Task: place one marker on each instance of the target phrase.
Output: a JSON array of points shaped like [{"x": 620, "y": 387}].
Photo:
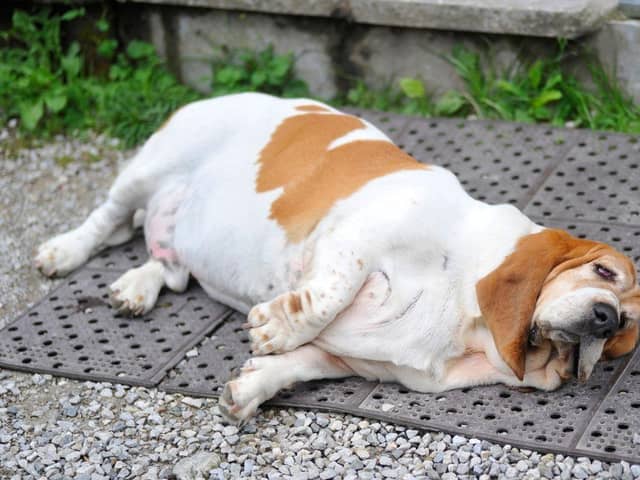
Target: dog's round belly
[{"x": 224, "y": 237}]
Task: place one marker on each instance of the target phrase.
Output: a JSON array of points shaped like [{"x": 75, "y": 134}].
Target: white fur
[{"x": 391, "y": 269}]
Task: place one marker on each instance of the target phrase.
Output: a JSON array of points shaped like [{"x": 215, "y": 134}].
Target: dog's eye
[{"x": 604, "y": 272}]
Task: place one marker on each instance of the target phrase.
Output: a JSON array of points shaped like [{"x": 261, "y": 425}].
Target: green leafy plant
[
  {"x": 539, "y": 91},
  {"x": 52, "y": 88},
  {"x": 264, "y": 71},
  {"x": 139, "y": 94},
  {"x": 542, "y": 91},
  {"x": 38, "y": 77}
]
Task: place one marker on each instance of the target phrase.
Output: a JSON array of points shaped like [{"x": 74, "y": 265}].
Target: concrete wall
[
  {"x": 330, "y": 53},
  {"x": 617, "y": 45}
]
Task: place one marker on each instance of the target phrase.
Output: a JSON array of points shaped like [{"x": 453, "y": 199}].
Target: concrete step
[{"x": 540, "y": 18}]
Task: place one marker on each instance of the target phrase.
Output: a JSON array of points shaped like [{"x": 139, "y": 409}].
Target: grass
[
  {"x": 541, "y": 91},
  {"x": 53, "y": 87}
]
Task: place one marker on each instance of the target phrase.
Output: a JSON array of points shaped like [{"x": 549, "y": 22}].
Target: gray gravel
[{"x": 56, "y": 428}]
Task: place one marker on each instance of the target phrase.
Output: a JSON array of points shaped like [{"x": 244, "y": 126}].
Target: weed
[
  {"x": 51, "y": 88},
  {"x": 536, "y": 92},
  {"x": 139, "y": 94},
  {"x": 243, "y": 70},
  {"x": 39, "y": 80}
]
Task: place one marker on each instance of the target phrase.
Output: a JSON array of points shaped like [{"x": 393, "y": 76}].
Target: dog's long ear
[
  {"x": 625, "y": 340},
  {"x": 507, "y": 296}
]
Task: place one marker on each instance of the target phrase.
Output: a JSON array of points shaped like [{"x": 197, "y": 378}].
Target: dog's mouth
[{"x": 587, "y": 349}]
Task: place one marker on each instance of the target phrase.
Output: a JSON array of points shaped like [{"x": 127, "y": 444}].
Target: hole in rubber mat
[{"x": 74, "y": 331}]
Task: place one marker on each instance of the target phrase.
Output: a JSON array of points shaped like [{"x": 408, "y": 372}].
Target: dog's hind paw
[
  {"x": 135, "y": 293},
  {"x": 60, "y": 255}
]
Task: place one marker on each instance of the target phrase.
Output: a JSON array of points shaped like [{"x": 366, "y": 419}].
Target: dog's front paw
[
  {"x": 242, "y": 396},
  {"x": 60, "y": 255},
  {"x": 281, "y": 325}
]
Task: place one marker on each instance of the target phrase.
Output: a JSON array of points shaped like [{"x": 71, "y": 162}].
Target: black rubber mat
[
  {"x": 582, "y": 181},
  {"x": 228, "y": 348},
  {"x": 599, "y": 180},
  {"x": 74, "y": 331}
]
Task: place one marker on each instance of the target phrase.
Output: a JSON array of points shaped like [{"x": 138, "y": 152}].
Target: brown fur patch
[
  {"x": 507, "y": 296},
  {"x": 312, "y": 108},
  {"x": 621, "y": 343},
  {"x": 297, "y": 145},
  {"x": 295, "y": 303},
  {"x": 313, "y": 177}
]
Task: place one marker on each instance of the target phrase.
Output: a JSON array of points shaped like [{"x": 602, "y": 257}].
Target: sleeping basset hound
[{"x": 352, "y": 258}]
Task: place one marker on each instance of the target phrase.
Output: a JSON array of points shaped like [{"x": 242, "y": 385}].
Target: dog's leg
[
  {"x": 137, "y": 290},
  {"x": 66, "y": 252},
  {"x": 296, "y": 317},
  {"x": 111, "y": 223},
  {"x": 262, "y": 377}
]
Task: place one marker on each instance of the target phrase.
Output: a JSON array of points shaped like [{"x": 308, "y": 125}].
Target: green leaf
[
  {"x": 449, "y": 103},
  {"x": 499, "y": 108},
  {"x": 21, "y": 21},
  {"x": 509, "y": 87},
  {"x": 281, "y": 65},
  {"x": 522, "y": 116},
  {"x": 546, "y": 97},
  {"x": 55, "y": 102},
  {"x": 72, "y": 62},
  {"x": 31, "y": 113},
  {"x": 107, "y": 47},
  {"x": 71, "y": 66},
  {"x": 72, "y": 14},
  {"x": 541, "y": 113},
  {"x": 412, "y": 87},
  {"x": 535, "y": 74},
  {"x": 258, "y": 78},
  {"x": 553, "y": 80},
  {"x": 138, "y": 50},
  {"x": 102, "y": 25},
  {"x": 229, "y": 75}
]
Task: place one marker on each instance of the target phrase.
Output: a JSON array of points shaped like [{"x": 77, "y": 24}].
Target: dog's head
[{"x": 558, "y": 288}]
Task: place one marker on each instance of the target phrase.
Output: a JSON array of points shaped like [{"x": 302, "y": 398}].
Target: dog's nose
[{"x": 605, "y": 320}]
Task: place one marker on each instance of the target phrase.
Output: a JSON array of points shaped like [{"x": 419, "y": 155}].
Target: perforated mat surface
[{"x": 582, "y": 181}]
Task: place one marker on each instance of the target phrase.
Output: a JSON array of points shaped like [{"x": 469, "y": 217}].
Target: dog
[{"x": 352, "y": 258}]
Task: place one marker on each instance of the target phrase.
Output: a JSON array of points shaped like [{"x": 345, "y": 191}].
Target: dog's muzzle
[{"x": 589, "y": 338}]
